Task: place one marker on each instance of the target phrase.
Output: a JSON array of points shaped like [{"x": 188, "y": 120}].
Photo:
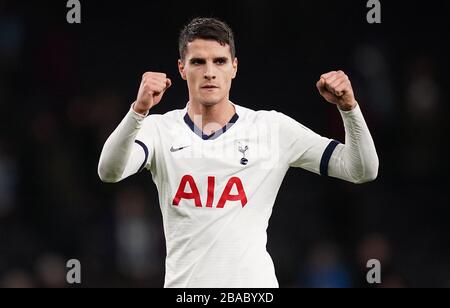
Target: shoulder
[
  {"x": 169, "y": 117},
  {"x": 272, "y": 117},
  {"x": 268, "y": 117},
  {"x": 257, "y": 115}
]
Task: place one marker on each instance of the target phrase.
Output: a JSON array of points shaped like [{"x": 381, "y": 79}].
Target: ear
[
  {"x": 181, "y": 69},
  {"x": 235, "y": 67}
]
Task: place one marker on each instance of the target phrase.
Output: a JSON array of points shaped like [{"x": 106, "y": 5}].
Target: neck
[{"x": 211, "y": 118}]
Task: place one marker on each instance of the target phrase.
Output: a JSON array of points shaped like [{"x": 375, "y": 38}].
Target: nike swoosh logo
[{"x": 172, "y": 149}]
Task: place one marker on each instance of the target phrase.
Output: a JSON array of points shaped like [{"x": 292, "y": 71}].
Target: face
[{"x": 208, "y": 70}]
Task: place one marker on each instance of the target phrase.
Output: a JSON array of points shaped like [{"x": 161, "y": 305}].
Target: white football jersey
[{"x": 217, "y": 192}]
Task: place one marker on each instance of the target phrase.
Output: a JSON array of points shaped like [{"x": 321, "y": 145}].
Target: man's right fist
[{"x": 151, "y": 90}]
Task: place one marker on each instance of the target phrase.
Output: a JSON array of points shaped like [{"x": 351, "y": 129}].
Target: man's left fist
[{"x": 336, "y": 88}]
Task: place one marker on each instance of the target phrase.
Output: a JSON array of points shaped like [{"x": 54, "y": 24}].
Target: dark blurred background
[{"x": 64, "y": 88}]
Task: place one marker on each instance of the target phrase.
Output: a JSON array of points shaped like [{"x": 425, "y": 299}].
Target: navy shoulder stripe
[
  {"x": 327, "y": 156},
  {"x": 146, "y": 154}
]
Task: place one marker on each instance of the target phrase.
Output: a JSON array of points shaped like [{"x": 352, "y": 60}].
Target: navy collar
[{"x": 214, "y": 135}]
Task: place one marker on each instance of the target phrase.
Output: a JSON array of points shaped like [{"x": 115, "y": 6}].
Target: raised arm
[
  {"x": 356, "y": 160},
  {"x": 122, "y": 154}
]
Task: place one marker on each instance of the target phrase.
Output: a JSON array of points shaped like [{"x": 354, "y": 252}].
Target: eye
[{"x": 221, "y": 61}]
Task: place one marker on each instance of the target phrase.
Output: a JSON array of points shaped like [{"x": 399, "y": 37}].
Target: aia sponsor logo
[{"x": 192, "y": 193}]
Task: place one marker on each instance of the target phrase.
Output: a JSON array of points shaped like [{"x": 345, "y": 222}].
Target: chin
[{"x": 208, "y": 102}]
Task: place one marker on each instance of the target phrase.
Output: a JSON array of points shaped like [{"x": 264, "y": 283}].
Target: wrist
[
  {"x": 348, "y": 106},
  {"x": 140, "y": 110}
]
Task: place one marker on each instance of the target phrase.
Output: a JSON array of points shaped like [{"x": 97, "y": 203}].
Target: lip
[{"x": 209, "y": 86}]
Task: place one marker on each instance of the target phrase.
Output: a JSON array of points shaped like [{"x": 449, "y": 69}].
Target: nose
[{"x": 209, "y": 72}]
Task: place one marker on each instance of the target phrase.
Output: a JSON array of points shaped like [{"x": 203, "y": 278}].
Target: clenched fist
[
  {"x": 336, "y": 88},
  {"x": 151, "y": 90}
]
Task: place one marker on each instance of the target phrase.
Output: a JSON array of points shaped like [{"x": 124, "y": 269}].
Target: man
[{"x": 218, "y": 166}]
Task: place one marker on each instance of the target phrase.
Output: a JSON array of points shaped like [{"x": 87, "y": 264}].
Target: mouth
[{"x": 209, "y": 87}]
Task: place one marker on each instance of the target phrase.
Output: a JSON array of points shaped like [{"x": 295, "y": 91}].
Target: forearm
[
  {"x": 357, "y": 160},
  {"x": 118, "y": 157}
]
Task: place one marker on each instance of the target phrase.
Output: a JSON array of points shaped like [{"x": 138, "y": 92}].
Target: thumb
[{"x": 168, "y": 83}]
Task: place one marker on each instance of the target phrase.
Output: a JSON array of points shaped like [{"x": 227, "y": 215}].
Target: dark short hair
[{"x": 206, "y": 29}]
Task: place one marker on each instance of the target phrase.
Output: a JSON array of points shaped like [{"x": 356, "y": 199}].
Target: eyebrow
[
  {"x": 195, "y": 59},
  {"x": 224, "y": 59}
]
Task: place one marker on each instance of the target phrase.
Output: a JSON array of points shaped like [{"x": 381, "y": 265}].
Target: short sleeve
[
  {"x": 146, "y": 140},
  {"x": 302, "y": 147}
]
